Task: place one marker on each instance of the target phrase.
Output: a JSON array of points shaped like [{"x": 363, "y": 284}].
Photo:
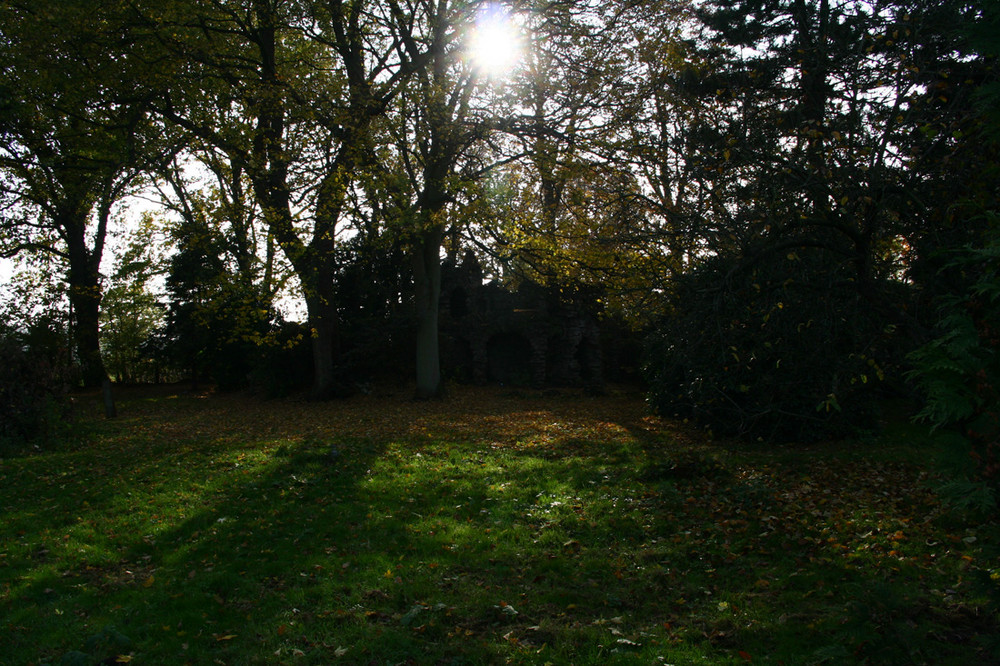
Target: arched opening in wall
[
  {"x": 559, "y": 363},
  {"x": 508, "y": 359},
  {"x": 459, "y": 361},
  {"x": 588, "y": 359},
  {"x": 458, "y": 303}
]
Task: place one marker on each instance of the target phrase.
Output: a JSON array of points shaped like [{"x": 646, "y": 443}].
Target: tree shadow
[{"x": 470, "y": 531}]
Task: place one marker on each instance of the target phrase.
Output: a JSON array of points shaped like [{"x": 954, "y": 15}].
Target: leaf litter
[{"x": 608, "y": 531}]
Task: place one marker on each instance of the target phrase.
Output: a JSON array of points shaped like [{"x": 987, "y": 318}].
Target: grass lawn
[{"x": 491, "y": 527}]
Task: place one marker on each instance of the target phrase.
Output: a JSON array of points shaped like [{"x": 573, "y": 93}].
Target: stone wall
[{"x": 533, "y": 336}]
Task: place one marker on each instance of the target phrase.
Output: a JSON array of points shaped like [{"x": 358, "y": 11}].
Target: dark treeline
[{"x": 792, "y": 203}]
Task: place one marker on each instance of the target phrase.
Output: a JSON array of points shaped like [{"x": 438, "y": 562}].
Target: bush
[
  {"x": 783, "y": 350},
  {"x": 33, "y": 394},
  {"x": 959, "y": 371},
  {"x": 285, "y": 363}
]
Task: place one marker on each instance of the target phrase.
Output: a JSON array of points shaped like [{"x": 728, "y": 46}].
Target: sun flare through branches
[{"x": 495, "y": 45}]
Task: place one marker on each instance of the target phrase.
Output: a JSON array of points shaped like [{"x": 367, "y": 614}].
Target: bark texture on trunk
[
  {"x": 327, "y": 382},
  {"x": 427, "y": 287},
  {"x": 85, "y": 293}
]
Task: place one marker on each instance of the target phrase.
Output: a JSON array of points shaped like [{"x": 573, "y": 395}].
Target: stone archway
[
  {"x": 460, "y": 358},
  {"x": 508, "y": 359}
]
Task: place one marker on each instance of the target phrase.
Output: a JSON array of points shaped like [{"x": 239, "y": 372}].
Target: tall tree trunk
[
  {"x": 85, "y": 297},
  {"x": 84, "y": 292},
  {"x": 321, "y": 307},
  {"x": 427, "y": 288}
]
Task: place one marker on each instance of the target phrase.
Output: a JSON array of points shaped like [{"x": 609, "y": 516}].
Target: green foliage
[
  {"x": 131, "y": 313},
  {"x": 982, "y": 36},
  {"x": 34, "y": 384},
  {"x": 959, "y": 371},
  {"x": 374, "y": 297},
  {"x": 782, "y": 349},
  {"x": 948, "y": 369},
  {"x": 284, "y": 365},
  {"x": 793, "y": 325},
  {"x": 36, "y": 365},
  {"x": 75, "y": 139},
  {"x": 218, "y": 321}
]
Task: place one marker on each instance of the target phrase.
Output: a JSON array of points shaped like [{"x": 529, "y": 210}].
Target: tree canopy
[{"x": 767, "y": 190}]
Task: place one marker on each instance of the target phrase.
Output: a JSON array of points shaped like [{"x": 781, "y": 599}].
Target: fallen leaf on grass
[
  {"x": 506, "y": 609},
  {"x": 410, "y": 616}
]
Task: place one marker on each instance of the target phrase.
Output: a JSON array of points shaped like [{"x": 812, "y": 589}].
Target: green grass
[{"x": 488, "y": 528}]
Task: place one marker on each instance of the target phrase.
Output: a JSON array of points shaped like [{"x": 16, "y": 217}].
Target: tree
[
  {"x": 826, "y": 106},
  {"x": 958, "y": 371},
  {"x": 951, "y": 149},
  {"x": 219, "y": 320},
  {"x": 131, "y": 314},
  {"x": 289, "y": 92},
  {"x": 435, "y": 129},
  {"x": 209, "y": 186},
  {"x": 73, "y": 141},
  {"x": 34, "y": 353},
  {"x": 804, "y": 146},
  {"x": 572, "y": 210},
  {"x": 226, "y": 275}
]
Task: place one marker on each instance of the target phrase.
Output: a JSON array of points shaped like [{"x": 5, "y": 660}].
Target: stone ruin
[{"x": 534, "y": 336}]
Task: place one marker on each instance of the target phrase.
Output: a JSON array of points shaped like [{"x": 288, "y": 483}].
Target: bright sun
[{"x": 496, "y": 43}]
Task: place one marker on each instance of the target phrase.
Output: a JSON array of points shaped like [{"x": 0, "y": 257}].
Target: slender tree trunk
[
  {"x": 427, "y": 287},
  {"x": 313, "y": 266},
  {"x": 110, "y": 411},
  {"x": 85, "y": 296},
  {"x": 326, "y": 383}
]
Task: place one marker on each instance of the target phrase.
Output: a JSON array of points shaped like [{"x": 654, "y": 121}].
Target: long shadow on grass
[
  {"x": 453, "y": 547},
  {"x": 425, "y": 551},
  {"x": 193, "y": 585},
  {"x": 440, "y": 551}
]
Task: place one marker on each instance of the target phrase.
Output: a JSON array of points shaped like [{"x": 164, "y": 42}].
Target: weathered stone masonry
[{"x": 533, "y": 336}]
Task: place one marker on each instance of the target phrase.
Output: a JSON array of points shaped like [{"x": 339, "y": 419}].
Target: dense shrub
[
  {"x": 959, "y": 371},
  {"x": 284, "y": 363},
  {"x": 784, "y": 349},
  {"x": 33, "y": 393}
]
